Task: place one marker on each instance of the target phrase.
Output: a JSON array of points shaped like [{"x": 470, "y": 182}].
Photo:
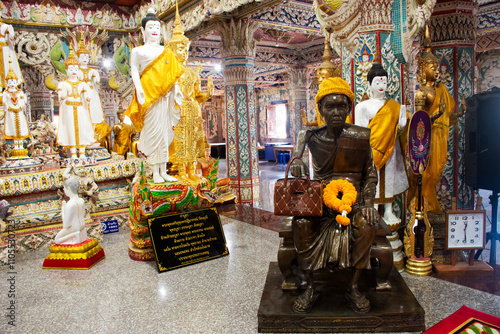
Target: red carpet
[{"x": 466, "y": 320}]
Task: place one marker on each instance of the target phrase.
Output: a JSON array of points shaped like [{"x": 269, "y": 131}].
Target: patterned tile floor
[{"x": 119, "y": 295}]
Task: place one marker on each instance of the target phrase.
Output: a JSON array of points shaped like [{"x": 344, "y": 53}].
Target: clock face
[{"x": 465, "y": 230}]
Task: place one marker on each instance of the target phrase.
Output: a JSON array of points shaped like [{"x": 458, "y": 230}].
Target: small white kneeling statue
[{"x": 72, "y": 214}]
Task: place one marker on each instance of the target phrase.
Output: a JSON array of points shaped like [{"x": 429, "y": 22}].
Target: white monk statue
[
  {"x": 14, "y": 106},
  {"x": 155, "y": 106},
  {"x": 75, "y": 130},
  {"x": 385, "y": 117},
  {"x": 72, "y": 214},
  {"x": 8, "y": 52}
]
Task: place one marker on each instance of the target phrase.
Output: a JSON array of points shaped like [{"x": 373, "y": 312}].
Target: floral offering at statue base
[{"x": 79, "y": 256}]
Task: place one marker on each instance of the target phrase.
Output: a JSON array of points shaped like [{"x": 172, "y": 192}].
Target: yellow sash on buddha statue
[
  {"x": 383, "y": 132},
  {"x": 439, "y": 147},
  {"x": 157, "y": 79}
]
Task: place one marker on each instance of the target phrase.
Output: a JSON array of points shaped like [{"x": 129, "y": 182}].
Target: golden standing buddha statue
[
  {"x": 189, "y": 140},
  {"x": 433, "y": 98}
]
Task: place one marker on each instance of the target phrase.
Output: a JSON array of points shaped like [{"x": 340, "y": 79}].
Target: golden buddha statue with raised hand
[
  {"x": 189, "y": 140},
  {"x": 434, "y": 98}
]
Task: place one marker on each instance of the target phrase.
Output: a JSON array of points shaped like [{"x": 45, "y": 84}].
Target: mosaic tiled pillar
[
  {"x": 41, "y": 103},
  {"x": 299, "y": 94},
  {"x": 381, "y": 35},
  {"x": 453, "y": 29},
  {"x": 238, "y": 52}
]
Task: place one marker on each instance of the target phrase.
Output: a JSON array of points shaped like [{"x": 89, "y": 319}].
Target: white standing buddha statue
[
  {"x": 7, "y": 52},
  {"x": 14, "y": 107},
  {"x": 155, "y": 106},
  {"x": 385, "y": 118},
  {"x": 92, "y": 79},
  {"x": 75, "y": 130}
]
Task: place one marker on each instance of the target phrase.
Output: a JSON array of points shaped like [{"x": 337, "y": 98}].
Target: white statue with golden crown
[
  {"x": 7, "y": 52},
  {"x": 75, "y": 131},
  {"x": 92, "y": 79},
  {"x": 14, "y": 106},
  {"x": 155, "y": 106}
]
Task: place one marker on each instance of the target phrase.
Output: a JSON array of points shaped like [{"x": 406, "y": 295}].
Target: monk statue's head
[
  {"x": 121, "y": 115},
  {"x": 334, "y": 101},
  {"x": 377, "y": 81},
  {"x": 151, "y": 27},
  {"x": 71, "y": 187}
]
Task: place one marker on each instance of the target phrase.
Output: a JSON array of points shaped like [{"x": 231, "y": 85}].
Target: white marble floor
[{"x": 119, "y": 295}]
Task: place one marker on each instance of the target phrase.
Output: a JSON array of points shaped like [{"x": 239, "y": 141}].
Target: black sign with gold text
[{"x": 185, "y": 238}]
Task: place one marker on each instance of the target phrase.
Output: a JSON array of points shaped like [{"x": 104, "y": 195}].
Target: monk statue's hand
[
  {"x": 298, "y": 168},
  {"x": 141, "y": 97},
  {"x": 441, "y": 110},
  {"x": 371, "y": 215}
]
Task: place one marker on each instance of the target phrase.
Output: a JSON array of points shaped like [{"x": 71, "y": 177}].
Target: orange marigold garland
[{"x": 344, "y": 204}]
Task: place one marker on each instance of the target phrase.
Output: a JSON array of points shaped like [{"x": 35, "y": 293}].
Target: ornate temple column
[
  {"x": 110, "y": 105},
  {"x": 453, "y": 34},
  {"x": 299, "y": 93},
  {"x": 238, "y": 52},
  {"x": 41, "y": 103},
  {"x": 41, "y": 99}
]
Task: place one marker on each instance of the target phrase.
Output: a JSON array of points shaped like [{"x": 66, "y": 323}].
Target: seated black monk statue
[{"x": 339, "y": 151}]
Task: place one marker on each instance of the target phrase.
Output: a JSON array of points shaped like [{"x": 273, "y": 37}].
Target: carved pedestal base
[
  {"x": 396, "y": 310},
  {"x": 396, "y": 244},
  {"x": 20, "y": 166},
  {"x": 79, "y": 256},
  {"x": 97, "y": 154},
  {"x": 141, "y": 254},
  {"x": 49, "y": 161},
  {"x": 419, "y": 267}
]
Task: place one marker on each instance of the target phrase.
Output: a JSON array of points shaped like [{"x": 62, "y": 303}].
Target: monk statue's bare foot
[
  {"x": 304, "y": 302},
  {"x": 157, "y": 178},
  {"x": 168, "y": 178},
  {"x": 358, "y": 301}
]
